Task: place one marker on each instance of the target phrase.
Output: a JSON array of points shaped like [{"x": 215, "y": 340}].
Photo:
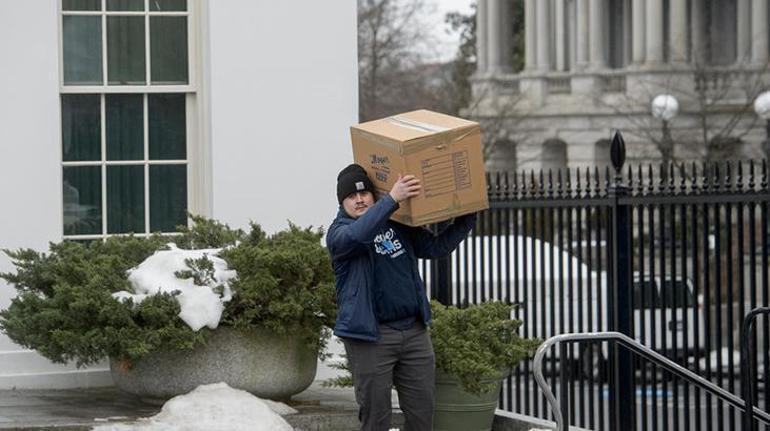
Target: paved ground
[
  {"x": 663, "y": 409},
  {"x": 321, "y": 409}
]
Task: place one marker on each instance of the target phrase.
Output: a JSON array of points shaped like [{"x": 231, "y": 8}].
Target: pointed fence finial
[
  {"x": 550, "y": 182},
  {"x": 505, "y": 181},
  {"x": 618, "y": 152},
  {"x": 568, "y": 182},
  {"x": 694, "y": 177}
]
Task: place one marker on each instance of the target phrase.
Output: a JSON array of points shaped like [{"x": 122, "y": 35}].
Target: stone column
[
  {"x": 582, "y": 34},
  {"x": 506, "y": 36},
  {"x": 628, "y": 36},
  {"x": 571, "y": 35},
  {"x": 598, "y": 34},
  {"x": 698, "y": 35},
  {"x": 530, "y": 42},
  {"x": 654, "y": 31},
  {"x": 759, "y": 47},
  {"x": 638, "y": 12},
  {"x": 561, "y": 33},
  {"x": 743, "y": 36},
  {"x": 481, "y": 36},
  {"x": 678, "y": 31},
  {"x": 494, "y": 33},
  {"x": 543, "y": 35}
]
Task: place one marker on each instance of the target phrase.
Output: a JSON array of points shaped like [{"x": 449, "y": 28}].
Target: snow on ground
[
  {"x": 216, "y": 407},
  {"x": 201, "y": 305}
]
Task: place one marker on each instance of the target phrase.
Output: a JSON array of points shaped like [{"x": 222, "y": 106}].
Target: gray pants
[{"x": 401, "y": 358}]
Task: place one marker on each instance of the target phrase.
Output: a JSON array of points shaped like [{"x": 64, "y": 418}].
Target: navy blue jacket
[{"x": 350, "y": 243}]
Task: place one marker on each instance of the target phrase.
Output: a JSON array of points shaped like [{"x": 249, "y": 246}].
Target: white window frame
[{"x": 196, "y": 120}]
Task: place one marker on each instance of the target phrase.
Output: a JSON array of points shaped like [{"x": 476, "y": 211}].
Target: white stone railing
[
  {"x": 507, "y": 84},
  {"x": 558, "y": 85},
  {"x": 718, "y": 79},
  {"x": 612, "y": 83}
]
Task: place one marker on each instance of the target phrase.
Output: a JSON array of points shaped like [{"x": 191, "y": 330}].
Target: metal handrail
[
  {"x": 747, "y": 382},
  {"x": 643, "y": 351}
]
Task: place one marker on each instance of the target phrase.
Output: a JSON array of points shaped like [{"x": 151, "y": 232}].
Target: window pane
[
  {"x": 168, "y": 133},
  {"x": 168, "y": 5},
  {"x": 82, "y": 190},
  {"x": 125, "y": 50},
  {"x": 125, "y": 136},
  {"x": 168, "y": 197},
  {"x": 81, "y": 127},
  {"x": 82, "y": 46},
  {"x": 645, "y": 295},
  {"x": 168, "y": 48},
  {"x": 125, "y": 199},
  {"x": 81, "y": 5},
  {"x": 130, "y": 5},
  {"x": 84, "y": 242},
  {"x": 677, "y": 294}
]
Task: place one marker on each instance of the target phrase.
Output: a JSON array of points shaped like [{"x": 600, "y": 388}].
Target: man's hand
[{"x": 405, "y": 187}]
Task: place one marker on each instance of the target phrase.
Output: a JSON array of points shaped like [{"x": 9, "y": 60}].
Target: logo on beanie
[{"x": 360, "y": 185}]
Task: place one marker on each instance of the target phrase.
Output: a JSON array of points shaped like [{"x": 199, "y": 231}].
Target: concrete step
[
  {"x": 26, "y": 369},
  {"x": 30, "y": 362},
  {"x": 83, "y": 379}
]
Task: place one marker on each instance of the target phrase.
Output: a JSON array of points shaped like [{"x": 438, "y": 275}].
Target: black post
[
  {"x": 620, "y": 289},
  {"x": 444, "y": 292},
  {"x": 747, "y": 380},
  {"x": 766, "y": 144},
  {"x": 441, "y": 270}
]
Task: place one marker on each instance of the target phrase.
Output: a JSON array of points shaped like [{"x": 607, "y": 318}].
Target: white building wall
[
  {"x": 277, "y": 148},
  {"x": 283, "y": 93},
  {"x": 30, "y": 169},
  {"x": 280, "y": 86}
]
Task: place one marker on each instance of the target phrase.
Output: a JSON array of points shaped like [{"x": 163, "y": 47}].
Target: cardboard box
[{"x": 443, "y": 151}]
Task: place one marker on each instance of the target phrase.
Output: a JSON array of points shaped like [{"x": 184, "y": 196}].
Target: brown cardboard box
[{"x": 443, "y": 151}]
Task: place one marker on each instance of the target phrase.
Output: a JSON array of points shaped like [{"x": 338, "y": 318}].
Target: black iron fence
[{"x": 673, "y": 256}]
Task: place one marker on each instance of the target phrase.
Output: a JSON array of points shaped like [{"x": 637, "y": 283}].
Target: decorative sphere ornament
[
  {"x": 665, "y": 107},
  {"x": 762, "y": 105}
]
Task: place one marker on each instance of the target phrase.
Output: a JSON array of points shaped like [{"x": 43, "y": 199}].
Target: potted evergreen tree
[
  {"x": 76, "y": 303},
  {"x": 476, "y": 348}
]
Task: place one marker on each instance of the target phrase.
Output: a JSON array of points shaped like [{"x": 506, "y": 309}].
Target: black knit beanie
[{"x": 352, "y": 179}]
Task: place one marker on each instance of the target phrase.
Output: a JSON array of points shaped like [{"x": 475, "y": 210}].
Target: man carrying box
[{"x": 382, "y": 308}]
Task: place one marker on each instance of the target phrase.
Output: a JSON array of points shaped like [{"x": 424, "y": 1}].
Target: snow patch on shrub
[{"x": 201, "y": 305}]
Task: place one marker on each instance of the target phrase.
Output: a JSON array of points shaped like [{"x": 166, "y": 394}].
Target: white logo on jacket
[{"x": 386, "y": 243}]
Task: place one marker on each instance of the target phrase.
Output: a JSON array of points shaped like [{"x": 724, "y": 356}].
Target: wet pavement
[{"x": 320, "y": 409}]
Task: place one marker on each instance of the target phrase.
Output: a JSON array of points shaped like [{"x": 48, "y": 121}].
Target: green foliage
[
  {"x": 207, "y": 233},
  {"x": 65, "y": 309},
  {"x": 200, "y": 270},
  {"x": 478, "y": 342},
  {"x": 285, "y": 283},
  {"x": 342, "y": 381}
]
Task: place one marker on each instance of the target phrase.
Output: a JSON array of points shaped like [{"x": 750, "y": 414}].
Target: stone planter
[
  {"x": 255, "y": 360},
  {"x": 457, "y": 410}
]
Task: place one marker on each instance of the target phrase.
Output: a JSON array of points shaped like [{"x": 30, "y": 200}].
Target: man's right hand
[{"x": 405, "y": 187}]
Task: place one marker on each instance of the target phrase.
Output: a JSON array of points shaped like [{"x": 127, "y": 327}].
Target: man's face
[{"x": 357, "y": 203}]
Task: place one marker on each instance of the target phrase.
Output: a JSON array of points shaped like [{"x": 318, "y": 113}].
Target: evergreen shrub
[
  {"x": 64, "y": 308},
  {"x": 477, "y": 343}
]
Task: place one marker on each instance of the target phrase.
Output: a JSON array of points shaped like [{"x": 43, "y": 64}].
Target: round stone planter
[{"x": 255, "y": 360}]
